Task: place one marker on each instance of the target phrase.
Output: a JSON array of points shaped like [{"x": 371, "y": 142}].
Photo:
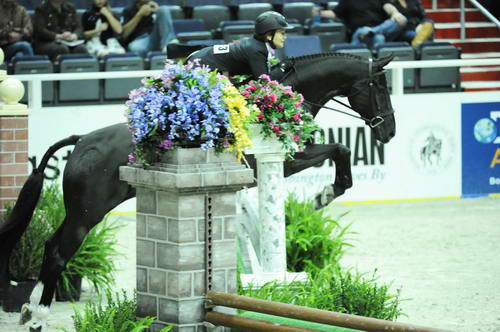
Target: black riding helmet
[{"x": 270, "y": 21}]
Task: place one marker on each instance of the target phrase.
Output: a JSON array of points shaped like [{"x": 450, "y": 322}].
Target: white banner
[{"x": 422, "y": 161}]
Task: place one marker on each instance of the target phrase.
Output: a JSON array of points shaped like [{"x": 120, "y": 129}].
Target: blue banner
[{"x": 480, "y": 148}]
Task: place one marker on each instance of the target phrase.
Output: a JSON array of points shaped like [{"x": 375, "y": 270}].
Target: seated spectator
[
  {"x": 419, "y": 27},
  {"x": 57, "y": 29},
  {"x": 16, "y": 29},
  {"x": 147, "y": 27},
  {"x": 101, "y": 29},
  {"x": 371, "y": 22}
]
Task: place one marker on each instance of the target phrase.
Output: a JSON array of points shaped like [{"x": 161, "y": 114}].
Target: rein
[{"x": 373, "y": 122}]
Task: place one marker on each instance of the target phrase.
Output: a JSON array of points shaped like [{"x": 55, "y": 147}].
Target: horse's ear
[{"x": 382, "y": 62}]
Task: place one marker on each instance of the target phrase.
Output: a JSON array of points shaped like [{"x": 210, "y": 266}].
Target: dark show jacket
[
  {"x": 49, "y": 22},
  {"x": 248, "y": 57},
  {"x": 359, "y": 13}
]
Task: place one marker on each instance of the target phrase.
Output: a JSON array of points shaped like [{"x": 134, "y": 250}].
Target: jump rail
[
  {"x": 35, "y": 80},
  {"x": 302, "y": 313}
]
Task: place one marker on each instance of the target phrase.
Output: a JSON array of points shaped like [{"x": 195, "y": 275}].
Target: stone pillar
[
  {"x": 175, "y": 199},
  {"x": 13, "y": 139}
]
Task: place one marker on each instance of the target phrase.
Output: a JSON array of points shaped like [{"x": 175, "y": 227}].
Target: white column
[{"x": 272, "y": 195}]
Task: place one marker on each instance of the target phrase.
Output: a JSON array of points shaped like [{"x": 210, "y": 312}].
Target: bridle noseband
[{"x": 357, "y": 87}]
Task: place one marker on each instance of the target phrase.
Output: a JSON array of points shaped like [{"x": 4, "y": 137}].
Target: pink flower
[
  {"x": 296, "y": 139},
  {"x": 273, "y": 97},
  {"x": 166, "y": 144},
  {"x": 266, "y": 77},
  {"x": 251, "y": 88},
  {"x": 260, "y": 116},
  {"x": 296, "y": 117},
  {"x": 280, "y": 107},
  {"x": 132, "y": 158}
]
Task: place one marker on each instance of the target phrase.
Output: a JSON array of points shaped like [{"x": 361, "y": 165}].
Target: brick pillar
[
  {"x": 13, "y": 140},
  {"x": 171, "y": 207}
]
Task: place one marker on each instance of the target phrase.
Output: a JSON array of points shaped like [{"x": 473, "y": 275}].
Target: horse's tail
[{"x": 20, "y": 216}]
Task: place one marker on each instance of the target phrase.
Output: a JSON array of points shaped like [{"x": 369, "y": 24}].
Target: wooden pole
[
  {"x": 250, "y": 324},
  {"x": 313, "y": 315}
]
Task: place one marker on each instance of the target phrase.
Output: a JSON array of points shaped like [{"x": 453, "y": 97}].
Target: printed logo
[{"x": 432, "y": 150}]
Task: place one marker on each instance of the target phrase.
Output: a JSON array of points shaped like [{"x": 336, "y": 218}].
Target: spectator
[
  {"x": 16, "y": 29},
  {"x": 419, "y": 27},
  {"x": 57, "y": 29},
  {"x": 101, "y": 29},
  {"x": 371, "y": 22},
  {"x": 147, "y": 27}
]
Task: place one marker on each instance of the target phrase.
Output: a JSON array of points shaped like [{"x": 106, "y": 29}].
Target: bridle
[{"x": 357, "y": 87}]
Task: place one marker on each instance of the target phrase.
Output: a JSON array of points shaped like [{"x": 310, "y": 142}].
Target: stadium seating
[
  {"x": 360, "y": 50},
  {"x": 438, "y": 79},
  {"x": 190, "y": 29},
  {"x": 78, "y": 90},
  {"x": 402, "y": 51},
  {"x": 118, "y": 88},
  {"x": 37, "y": 64},
  {"x": 250, "y": 11},
  {"x": 300, "y": 45},
  {"x": 329, "y": 33},
  {"x": 212, "y": 15},
  {"x": 156, "y": 60},
  {"x": 235, "y": 32},
  {"x": 301, "y": 11}
]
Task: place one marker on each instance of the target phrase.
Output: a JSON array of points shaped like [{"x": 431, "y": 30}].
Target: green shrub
[
  {"x": 117, "y": 315},
  {"x": 313, "y": 239},
  {"x": 94, "y": 260},
  {"x": 335, "y": 290}
]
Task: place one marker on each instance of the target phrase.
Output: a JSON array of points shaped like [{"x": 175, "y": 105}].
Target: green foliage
[
  {"x": 94, "y": 260},
  {"x": 335, "y": 290},
  {"x": 316, "y": 243},
  {"x": 117, "y": 315},
  {"x": 314, "y": 240}
]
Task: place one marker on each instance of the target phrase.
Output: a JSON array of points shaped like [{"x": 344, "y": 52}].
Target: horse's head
[
  {"x": 320, "y": 77},
  {"x": 370, "y": 98}
]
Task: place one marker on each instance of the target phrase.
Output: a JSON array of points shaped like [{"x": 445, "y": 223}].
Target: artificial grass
[{"x": 292, "y": 322}]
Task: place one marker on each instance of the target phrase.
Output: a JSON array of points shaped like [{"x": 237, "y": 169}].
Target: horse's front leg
[{"x": 317, "y": 153}]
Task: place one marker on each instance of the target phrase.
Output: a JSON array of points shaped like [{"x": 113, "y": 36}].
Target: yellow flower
[{"x": 239, "y": 114}]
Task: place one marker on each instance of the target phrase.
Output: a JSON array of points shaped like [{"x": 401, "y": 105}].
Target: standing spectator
[
  {"x": 101, "y": 29},
  {"x": 57, "y": 29},
  {"x": 419, "y": 27},
  {"x": 147, "y": 27},
  {"x": 16, "y": 29},
  {"x": 371, "y": 22}
]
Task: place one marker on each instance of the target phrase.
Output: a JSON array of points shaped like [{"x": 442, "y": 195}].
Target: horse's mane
[{"x": 326, "y": 55}]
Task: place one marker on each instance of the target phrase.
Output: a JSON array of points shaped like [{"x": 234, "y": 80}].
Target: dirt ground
[{"x": 442, "y": 253}]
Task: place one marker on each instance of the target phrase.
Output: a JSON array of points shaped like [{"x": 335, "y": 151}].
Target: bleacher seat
[
  {"x": 438, "y": 79},
  {"x": 156, "y": 60},
  {"x": 78, "y": 90},
  {"x": 212, "y": 15},
  {"x": 402, "y": 51},
  {"x": 36, "y": 64},
  {"x": 176, "y": 12},
  {"x": 235, "y": 32},
  {"x": 331, "y": 4},
  {"x": 297, "y": 29},
  {"x": 329, "y": 33},
  {"x": 189, "y": 29},
  {"x": 300, "y": 45},
  {"x": 301, "y": 11},
  {"x": 250, "y": 11},
  {"x": 359, "y": 50},
  {"x": 118, "y": 88}
]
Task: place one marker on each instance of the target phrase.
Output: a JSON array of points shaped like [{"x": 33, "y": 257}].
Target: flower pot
[
  {"x": 73, "y": 293},
  {"x": 16, "y": 296},
  {"x": 261, "y": 144}
]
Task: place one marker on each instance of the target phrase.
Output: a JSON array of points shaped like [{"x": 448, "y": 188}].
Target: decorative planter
[
  {"x": 260, "y": 144},
  {"x": 72, "y": 294},
  {"x": 16, "y": 296}
]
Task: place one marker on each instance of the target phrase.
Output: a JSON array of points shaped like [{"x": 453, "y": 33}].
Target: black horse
[{"x": 92, "y": 188}]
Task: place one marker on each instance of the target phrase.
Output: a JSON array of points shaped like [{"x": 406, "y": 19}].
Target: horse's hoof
[
  {"x": 36, "y": 329},
  {"x": 325, "y": 197},
  {"x": 26, "y": 314}
]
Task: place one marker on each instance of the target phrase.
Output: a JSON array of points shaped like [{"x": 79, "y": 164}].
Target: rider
[{"x": 250, "y": 56}]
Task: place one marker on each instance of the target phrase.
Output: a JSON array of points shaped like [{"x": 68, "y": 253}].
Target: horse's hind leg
[{"x": 58, "y": 251}]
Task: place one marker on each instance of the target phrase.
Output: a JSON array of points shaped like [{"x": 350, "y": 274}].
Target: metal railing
[
  {"x": 476, "y": 4},
  {"x": 35, "y": 80}
]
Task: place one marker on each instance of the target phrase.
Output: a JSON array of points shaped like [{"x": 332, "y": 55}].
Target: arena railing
[{"x": 35, "y": 80}]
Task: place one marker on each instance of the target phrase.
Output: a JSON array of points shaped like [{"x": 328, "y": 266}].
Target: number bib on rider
[{"x": 221, "y": 49}]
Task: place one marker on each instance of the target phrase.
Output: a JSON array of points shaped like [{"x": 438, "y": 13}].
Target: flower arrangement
[
  {"x": 186, "y": 105},
  {"x": 280, "y": 112}
]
